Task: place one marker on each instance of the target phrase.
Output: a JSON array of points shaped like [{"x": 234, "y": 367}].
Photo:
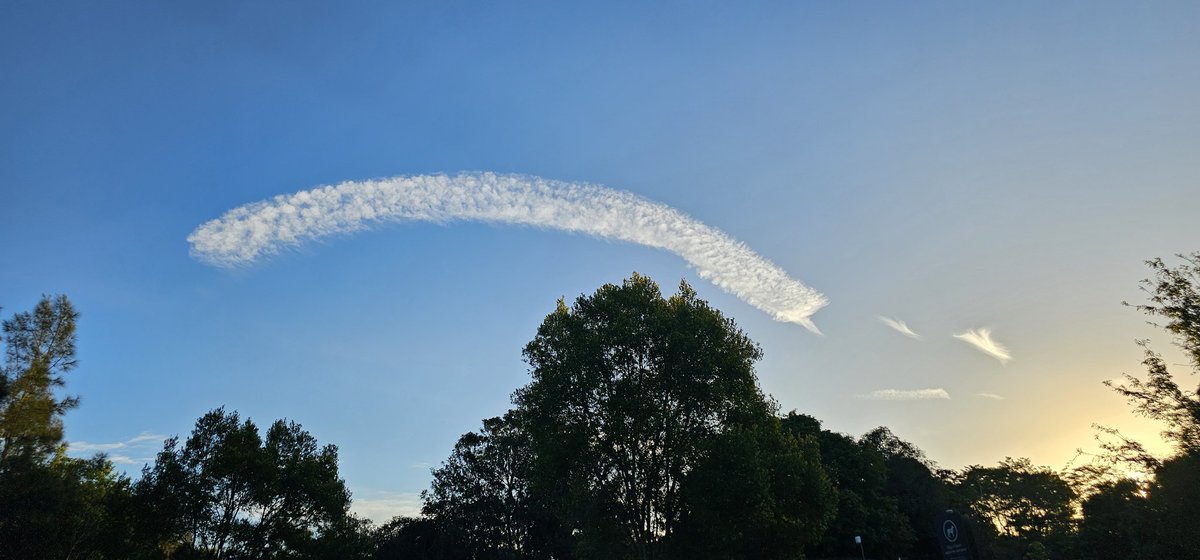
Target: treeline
[{"x": 642, "y": 434}]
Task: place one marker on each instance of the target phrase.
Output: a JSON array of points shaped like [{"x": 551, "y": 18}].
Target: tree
[
  {"x": 1174, "y": 296},
  {"x": 1025, "y": 504},
  {"x": 1154, "y": 517},
  {"x": 40, "y": 349},
  {"x": 51, "y": 505},
  {"x": 417, "y": 538},
  {"x": 480, "y": 495},
  {"x": 757, "y": 493},
  {"x": 858, "y": 472},
  {"x": 913, "y": 481},
  {"x": 228, "y": 493},
  {"x": 1174, "y": 502},
  {"x": 65, "y": 508},
  {"x": 1114, "y": 522},
  {"x": 628, "y": 392}
]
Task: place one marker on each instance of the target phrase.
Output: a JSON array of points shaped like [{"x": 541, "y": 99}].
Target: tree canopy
[
  {"x": 39, "y": 350},
  {"x": 227, "y": 492},
  {"x": 642, "y": 434},
  {"x": 1174, "y": 295}
]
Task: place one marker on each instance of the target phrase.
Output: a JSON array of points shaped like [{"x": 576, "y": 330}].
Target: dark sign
[{"x": 955, "y": 537}]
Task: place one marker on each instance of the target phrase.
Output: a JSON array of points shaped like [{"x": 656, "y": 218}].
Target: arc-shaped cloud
[{"x": 246, "y": 233}]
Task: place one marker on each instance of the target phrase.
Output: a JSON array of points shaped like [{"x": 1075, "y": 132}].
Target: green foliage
[
  {"x": 858, "y": 472},
  {"x": 642, "y": 434},
  {"x": 1023, "y": 503},
  {"x": 480, "y": 495},
  {"x": 756, "y": 493},
  {"x": 1162, "y": 523},
  {"x": 411, "y": 538},
  {"x": 921, "y": 494},
  {"x": 1113, "y": 525},
  {"x": 40, "y": 349},
  {"x": 228, "y": 493},
  {"x": 1174, "y": 500},
  {"x": 64, "y": 508},
  {"x": 628, "y": 389}
]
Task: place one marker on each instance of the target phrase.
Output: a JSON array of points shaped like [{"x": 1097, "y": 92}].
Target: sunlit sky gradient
[{"x": 955, "y": 168}]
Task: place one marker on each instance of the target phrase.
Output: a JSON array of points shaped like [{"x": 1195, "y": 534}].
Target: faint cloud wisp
[
  {"x": 989, "y": 396},
  {"x": 899, "y": 326},
  {"x": 380, "y": 507},
  {"x": 137, "y": 450},
  {"x": 982, "y": 340},
  {"x": 905, "y": 395},
  {"x": 252, "y": 231}
]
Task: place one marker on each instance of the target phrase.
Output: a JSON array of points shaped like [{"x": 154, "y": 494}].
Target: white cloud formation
[
  {"x": 900, "y": 327},
  {"x": 982, "y": 339},
  {"x": 990, "y": 396},
  {"x": 137, "y": 450},
  {"x": 381, "y": 507},
  {"x": 246, "y": 233},
  {"x": 905, "y": 395}
]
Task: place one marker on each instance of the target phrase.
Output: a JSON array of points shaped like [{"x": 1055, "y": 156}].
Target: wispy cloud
[
  {"x": 252, "y": 231},
  {"x": 137, "y": 450},
  {"x": 982, "y": 339},
  {"x": 905, "y": 395},
  {"x": 900, "y": 327},
  {"x": 989, "y": 396},
  {"x": 380, "y": 507}
]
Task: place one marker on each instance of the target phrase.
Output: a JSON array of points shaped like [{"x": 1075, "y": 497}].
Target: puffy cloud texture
[{"x": 250, "y": 232}]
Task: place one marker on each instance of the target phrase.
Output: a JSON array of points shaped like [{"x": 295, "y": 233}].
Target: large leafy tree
[
  {"x": 39, "y": 350},
  {"x": 758, "y": 492},
  {"x": 1167, "y": 504},
  {"x": 629, "y": 391},
  {"x": 917, "y": 486},
  {"x": 227, "y": 492},
  {"x": 420, "y": 538},
  {"x": 52, "y": 505},
  {"x": 480, "y": 496},
  {"x": 1113, "y": 525},
  {"x": 66, "y": 508},
  {"x": 858, "y": 472},
  {"x": 1025, "y": 504}
]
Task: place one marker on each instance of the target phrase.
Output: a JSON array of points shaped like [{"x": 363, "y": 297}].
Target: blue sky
[{"x": 955, "y": 167}]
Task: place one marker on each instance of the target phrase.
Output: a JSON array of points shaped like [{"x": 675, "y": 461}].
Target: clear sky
[{"x": 956, "y": 167}]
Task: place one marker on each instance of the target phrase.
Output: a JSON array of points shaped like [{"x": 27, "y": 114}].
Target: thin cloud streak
[
  {"x": 989, "y": 396},
  {"x": 381, "y": 507},
  {"x": 982, "y": 340},
  {"x": 905, "y": 395},
  {"x": 899, "y": 326},
  {"x": 137, "y": 450},
  {"x": 141, "y": 440},
  {"x": 247, "y": 233}
]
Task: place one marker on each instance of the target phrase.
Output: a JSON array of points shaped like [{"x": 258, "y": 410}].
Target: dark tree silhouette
[
  {"x": 228, "y": 493},
  {"x": 630, "y": 391}
]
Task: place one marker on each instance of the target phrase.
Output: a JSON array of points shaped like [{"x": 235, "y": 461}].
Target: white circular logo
[{"x": 950, "y": 530}]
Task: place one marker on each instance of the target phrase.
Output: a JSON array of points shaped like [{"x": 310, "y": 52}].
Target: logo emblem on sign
[{"x": 950, "y": 530}]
